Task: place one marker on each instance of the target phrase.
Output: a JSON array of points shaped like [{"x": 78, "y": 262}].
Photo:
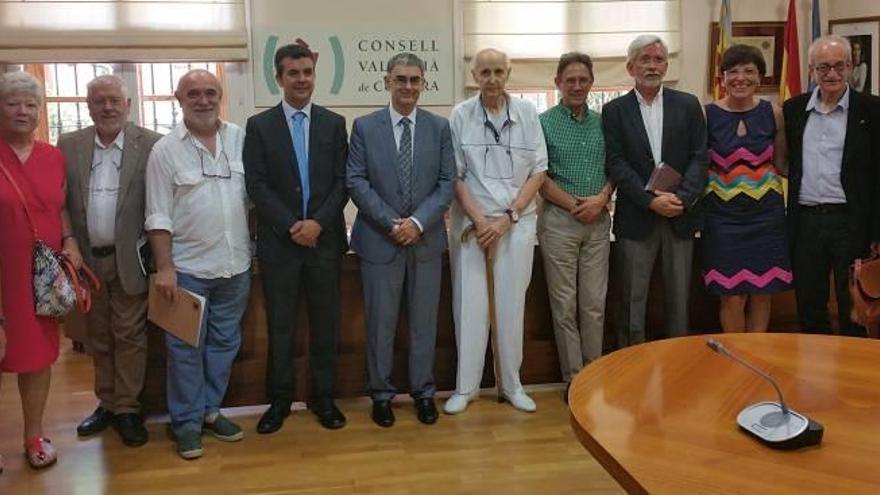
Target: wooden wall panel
[{"x": 540, "y": 361}]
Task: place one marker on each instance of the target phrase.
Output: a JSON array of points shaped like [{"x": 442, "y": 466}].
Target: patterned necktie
[
  {"x": 404, "y": 162},
  {"x": 302, "y": 157}
]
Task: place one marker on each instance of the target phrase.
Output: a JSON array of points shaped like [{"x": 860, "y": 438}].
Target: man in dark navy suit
[{"x": 294, "y": 160}]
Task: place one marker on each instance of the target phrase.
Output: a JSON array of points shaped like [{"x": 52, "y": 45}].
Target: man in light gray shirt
[{"x": 833, "y": 136}]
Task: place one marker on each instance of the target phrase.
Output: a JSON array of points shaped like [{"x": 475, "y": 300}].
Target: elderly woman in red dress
[{"x": 28, "y": 343}]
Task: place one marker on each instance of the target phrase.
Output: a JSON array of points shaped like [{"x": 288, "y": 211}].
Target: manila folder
[{"x": 182, "y": 319}]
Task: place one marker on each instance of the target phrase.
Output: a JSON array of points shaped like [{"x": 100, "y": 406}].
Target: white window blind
[
  {"x": 122, "y": 30},
  {"x": 534, "y": 33}
]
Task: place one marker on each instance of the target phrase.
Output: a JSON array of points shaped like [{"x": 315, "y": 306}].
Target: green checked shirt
[{"x": 575, "y": 149}]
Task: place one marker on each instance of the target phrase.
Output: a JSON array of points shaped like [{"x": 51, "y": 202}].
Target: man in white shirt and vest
[
  {"x": 105, "y": 197},
  {"x": 197, "y": 223}
]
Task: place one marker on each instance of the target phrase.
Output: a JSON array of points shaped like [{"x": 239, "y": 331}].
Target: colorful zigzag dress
[{"x": 743, "y": 239}]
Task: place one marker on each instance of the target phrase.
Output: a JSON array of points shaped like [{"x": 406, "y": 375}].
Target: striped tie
[{"x": 404, "y": 161}]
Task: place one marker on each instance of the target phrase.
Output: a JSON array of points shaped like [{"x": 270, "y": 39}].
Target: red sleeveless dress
[{"x": 31, "y": 340}]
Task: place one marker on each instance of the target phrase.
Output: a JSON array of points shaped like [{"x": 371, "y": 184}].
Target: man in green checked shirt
[{"x": 575, "y": 225}]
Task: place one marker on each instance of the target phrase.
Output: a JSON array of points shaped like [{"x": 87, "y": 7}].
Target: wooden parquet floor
[{"x": 490, "y": 449}]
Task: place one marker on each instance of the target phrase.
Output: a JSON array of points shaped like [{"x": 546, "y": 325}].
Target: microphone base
[{"x": 775, "y": 429}]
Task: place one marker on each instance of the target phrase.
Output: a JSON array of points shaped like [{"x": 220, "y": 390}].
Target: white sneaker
[
  {"x": 457, "y": 403},
  {"x": 521, "y": 401}
]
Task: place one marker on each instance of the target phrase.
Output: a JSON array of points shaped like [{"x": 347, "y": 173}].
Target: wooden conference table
[{"x": 661, "y": 417}]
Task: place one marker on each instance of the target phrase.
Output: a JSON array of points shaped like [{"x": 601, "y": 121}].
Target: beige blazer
[{"x": 78, "y": 148}]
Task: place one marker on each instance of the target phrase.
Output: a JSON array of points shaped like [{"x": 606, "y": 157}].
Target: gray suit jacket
[
  {"x": 78, "y": 148},
  {"x": 374, "y": 186}
]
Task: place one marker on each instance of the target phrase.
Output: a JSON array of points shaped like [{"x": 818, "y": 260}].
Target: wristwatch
[{"x": 514, "y": 216}]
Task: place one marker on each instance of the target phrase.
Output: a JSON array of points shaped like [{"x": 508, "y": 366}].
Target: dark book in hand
[{"x": 663, "y": 179}]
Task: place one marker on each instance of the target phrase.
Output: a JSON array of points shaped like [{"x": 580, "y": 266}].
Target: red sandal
[{"x": 40, "y": 453}]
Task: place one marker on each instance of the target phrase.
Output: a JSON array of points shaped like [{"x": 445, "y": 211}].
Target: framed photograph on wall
[
  {"x": 768, "y": 37},
  {"x": 864, "y": 35}
]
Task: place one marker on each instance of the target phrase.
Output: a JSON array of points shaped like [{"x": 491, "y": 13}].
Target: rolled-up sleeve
[{"x": 160, "y": 193}]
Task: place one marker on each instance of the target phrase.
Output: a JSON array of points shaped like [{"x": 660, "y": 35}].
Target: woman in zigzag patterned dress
[{"x": 745, "y": 254}]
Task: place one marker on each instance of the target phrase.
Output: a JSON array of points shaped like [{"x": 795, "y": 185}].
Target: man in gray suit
[
  {"x": 105, "y": 186},
  {"x": 399, "y": 174}
]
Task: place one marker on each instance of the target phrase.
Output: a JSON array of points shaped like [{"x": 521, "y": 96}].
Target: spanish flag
[
  {"x": 790, "y": 78},
  {"x": 725, "y": 35}
]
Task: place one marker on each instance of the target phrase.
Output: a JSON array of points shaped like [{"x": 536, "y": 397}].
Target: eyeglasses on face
[
  {"x": 839, "y": 67},
  {"x": 402, "y": 81}
]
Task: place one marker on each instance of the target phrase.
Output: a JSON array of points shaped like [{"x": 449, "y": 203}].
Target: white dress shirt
[
  {"x": 201, "y": 200},
  {"x": 495, "y": 170},
  {"x": 104, "y": 191},
  {"x": 652, "y": 117}
]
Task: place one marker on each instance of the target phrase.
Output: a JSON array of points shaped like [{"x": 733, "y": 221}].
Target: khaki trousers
[
  {"x": 117, "y": 341},
  {"x": 576, "y": 265}
]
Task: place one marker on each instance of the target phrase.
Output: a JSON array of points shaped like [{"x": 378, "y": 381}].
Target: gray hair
[
  {"x": 405, "y": 58},
  {"x": 107, "y": 80},
  {"x": 642, "y": 41},
  {"x": 17, "y": 83},
  {"x": 829, "y": 39},
  {"x": 484, "y": 51}
]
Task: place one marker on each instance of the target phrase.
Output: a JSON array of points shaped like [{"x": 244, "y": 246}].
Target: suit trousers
[
  {"x": 512, "y": 270},
  {"x": 117, "y": 340},
  {"x": 822, "y": 247},
  {"x": 384, "y": 286},
  {"x": 576, "y": 266},
  {"x": 285, "y": 284},
  {"x": 197, "y": 377},
  {"x": 636, "y": 264}
]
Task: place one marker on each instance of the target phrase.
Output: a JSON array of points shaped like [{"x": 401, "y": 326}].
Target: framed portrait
[
  {"x": 768, "y": 37},
  {"x": 864, "y": 35}
]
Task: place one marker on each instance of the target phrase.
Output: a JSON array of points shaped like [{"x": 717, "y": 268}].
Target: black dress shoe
[
  {"x": 382, "y": 413},
  {"x": 97, "y": 422},
  {"x": 329, "y": 416},
  {"x": 273, "y": 418},
  {"x": 426, "y": 411},
  {"x": 131, "y": 429}
]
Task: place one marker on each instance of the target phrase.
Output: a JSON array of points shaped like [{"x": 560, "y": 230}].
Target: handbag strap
[
  {"x": 15, "y": 187},
  {"x": 83, "y": 280}
]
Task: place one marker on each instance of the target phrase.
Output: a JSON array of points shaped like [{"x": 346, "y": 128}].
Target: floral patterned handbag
[{"x": 57, "y": 285}]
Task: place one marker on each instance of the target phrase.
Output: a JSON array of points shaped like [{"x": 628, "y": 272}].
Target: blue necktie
[
  {"x": 302, "y": 157},
  {"x": 405, "y": 162}
]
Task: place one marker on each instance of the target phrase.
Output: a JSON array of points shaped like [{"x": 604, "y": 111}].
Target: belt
[
  {"x": 101, "y": 252},
  {"x": 824, "y": 208}
]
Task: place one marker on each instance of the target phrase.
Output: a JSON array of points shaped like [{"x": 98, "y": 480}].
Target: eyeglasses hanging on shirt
[
  {"x": 496, "y": 166},
  {"x": 216, "y": 164}
]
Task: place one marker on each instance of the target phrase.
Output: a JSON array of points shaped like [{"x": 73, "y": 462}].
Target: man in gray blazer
[
  {"x": 399, "y": 174},
  {"x": 105, "y": 198}
]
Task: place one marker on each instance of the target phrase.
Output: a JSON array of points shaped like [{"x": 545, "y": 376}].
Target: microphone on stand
[{"x": 773, "y": 423}]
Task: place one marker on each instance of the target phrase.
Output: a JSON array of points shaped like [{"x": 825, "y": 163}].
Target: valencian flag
[
  {"x": 790, "y": 78},
  {"x": 725, "y": 33}
]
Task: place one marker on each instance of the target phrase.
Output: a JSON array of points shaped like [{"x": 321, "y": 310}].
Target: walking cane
[{"x": 493, "y": 322}]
